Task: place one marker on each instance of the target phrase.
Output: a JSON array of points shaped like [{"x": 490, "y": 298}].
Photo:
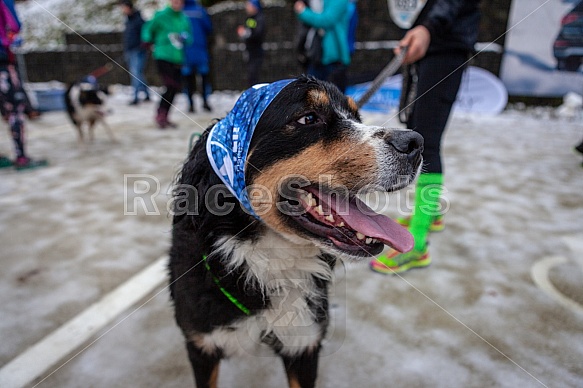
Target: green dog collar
[{"x": 225, "y": 292}]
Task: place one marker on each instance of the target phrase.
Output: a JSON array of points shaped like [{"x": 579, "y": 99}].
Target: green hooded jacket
[{"x": 169, "y": 32}]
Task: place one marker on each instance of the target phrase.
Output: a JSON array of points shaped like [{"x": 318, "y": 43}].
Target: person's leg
[
  {"x": 189, "y": 82},
  {"x": 170, "y": 75},
  {"x": 142, "y": 57},
  {"x": 206, "y": 88},
  {"x": 254, "y": 69},
  {"x": 165, "y": 74},
  {"x": 13, "y": 102},
  {"x": 206, "y": 91},
  {"x": 174, "y": 87},
  {"x": 133, "y": 67},
  {"x": 439, "y": 78},
  {"x": 10, "y": 106}
]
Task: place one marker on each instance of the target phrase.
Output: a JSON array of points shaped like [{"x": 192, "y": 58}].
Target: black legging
[
  {"x": 440, "y": 77},
  {"x": 189, "y": 82},
  {"x": 171, "y": 76},
  {"x": 13, "y": 105}
]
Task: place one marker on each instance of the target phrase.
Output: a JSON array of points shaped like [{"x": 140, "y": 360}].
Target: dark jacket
[
  {"x": 255, "y": 33},
  {"x": 133, "y": 30},
  {"x": 453, "y": 24}
]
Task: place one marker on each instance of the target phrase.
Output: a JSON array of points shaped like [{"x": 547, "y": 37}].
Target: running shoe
[{"x": 396, "y": 262}]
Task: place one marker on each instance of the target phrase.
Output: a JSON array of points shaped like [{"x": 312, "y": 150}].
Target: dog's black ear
[
  {"x": 193, "y": 180},
  {"x": 105, "y": 89}
]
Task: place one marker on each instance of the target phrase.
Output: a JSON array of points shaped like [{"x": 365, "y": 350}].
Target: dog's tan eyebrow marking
[{"x": 318, "y": 98}]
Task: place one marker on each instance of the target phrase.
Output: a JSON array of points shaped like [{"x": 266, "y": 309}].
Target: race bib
[
  {"x": 405, "y": 12},
  {"x": 176, "y": 40}
]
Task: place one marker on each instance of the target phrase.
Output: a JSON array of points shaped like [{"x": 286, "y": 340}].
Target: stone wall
[{"x": 375, "y": 34}]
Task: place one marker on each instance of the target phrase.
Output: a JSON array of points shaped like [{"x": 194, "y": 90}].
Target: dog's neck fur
[
  {"x": 291, "y": 278},
  {"x": 273, "y": 262}
]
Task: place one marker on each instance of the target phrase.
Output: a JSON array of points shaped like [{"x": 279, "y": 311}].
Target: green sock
[{"x": 426, "y": 207}]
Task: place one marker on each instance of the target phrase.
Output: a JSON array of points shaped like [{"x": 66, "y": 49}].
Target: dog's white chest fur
[{"x": 285, "y": 273}]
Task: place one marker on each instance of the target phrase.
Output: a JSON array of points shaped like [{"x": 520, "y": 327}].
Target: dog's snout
[{"x": 407, "y": 142}]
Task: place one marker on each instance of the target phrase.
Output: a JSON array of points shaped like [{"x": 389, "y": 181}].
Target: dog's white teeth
[
  {"x": 374, "y": 241},
  {"x": 341, "y": 224},
  {"x": 330, "y": 218},
  {"x": 368, "y": 240},
  {"x": 360, "y": 236},
  {"x": 308, "y": 199},
  {"x": 319, "y": 210}
]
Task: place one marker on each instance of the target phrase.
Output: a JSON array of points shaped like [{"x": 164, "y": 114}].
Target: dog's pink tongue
[{"x": 363, "y": 219}]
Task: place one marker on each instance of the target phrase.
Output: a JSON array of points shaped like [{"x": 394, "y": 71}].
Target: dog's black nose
[{"x": 407, "y": 142}]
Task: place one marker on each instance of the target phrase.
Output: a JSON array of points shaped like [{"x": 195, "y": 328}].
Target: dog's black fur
[
  {"x": 84, "y": 102},
  {"x": 278, "y": 268}
]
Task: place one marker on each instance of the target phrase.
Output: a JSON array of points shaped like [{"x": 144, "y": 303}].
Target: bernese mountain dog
[{"x": 265, "y": 205}]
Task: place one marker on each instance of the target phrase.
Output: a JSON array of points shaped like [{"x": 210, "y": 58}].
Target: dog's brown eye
[{"x": 310, "y": 118}]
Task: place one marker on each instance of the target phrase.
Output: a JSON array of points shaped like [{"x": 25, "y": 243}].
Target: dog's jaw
[{"x": 362, "y": 161}]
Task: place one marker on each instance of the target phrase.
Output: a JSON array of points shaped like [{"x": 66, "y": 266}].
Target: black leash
[{"x": 388, "y": 71}]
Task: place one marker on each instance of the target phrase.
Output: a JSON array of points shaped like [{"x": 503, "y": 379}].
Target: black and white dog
[
  {"x": 85, "y": 102},
  {"x": 265, "y": 205}
]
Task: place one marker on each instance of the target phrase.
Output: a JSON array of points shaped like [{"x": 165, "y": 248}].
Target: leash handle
[{"x": 388, "y": 71}]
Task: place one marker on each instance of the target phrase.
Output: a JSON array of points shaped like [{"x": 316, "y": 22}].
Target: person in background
[
  {"x": 168, "y": 31},
  {"x": 135, "y": 53},
  {"x": 334, "y": 19},
  {"x": 439, "y": 44},
  {"x": 31, "y": 112},
  {"x": 13, "y": 99},
  {"x": 253, "y": 34},
  {"x": 197, "y": 55}
]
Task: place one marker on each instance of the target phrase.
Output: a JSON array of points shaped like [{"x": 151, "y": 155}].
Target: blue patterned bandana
[{"x": 228, "y": 142}]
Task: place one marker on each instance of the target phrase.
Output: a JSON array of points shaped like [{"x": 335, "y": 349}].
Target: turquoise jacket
[
  {"x": 169, "y": 31},
  {"x": 334, "y": 20}
]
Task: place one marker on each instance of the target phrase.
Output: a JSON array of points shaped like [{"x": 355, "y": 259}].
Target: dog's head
[
  {"x": 310, "y": 156},
  {"x": 92, "y": 93}
]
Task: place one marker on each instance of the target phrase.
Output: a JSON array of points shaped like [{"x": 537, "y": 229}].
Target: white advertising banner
[{"x": 544, "y": 48}]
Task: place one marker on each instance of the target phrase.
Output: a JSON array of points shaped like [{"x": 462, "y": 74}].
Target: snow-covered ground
[{"x": 475, "y": 318}]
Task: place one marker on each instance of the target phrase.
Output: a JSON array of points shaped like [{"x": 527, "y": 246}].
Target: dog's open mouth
[{"x": 349, "y": 224}]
